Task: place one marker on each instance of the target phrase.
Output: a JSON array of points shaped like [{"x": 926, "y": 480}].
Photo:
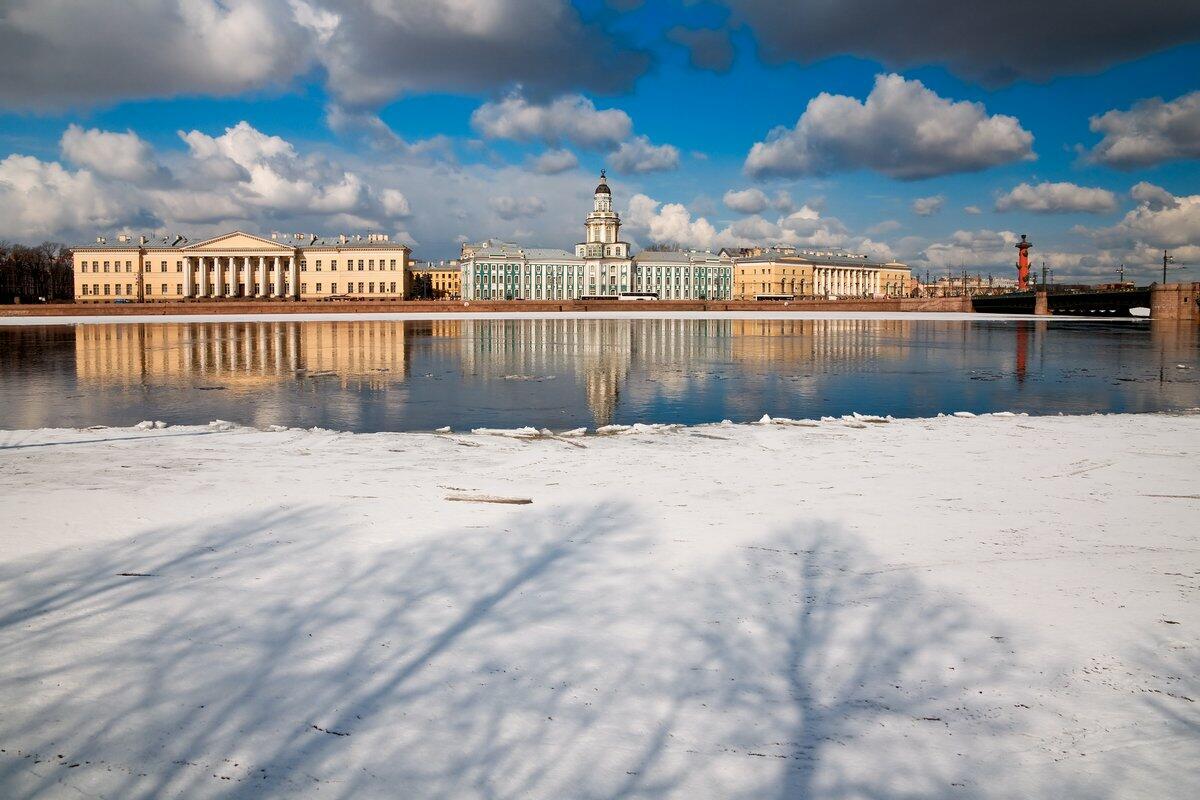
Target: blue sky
[{"x": 428, "y": 120}]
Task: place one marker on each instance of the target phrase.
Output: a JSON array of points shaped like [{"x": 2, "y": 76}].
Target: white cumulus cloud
[
  {"x": 902, "y": 129},
  {"x": 1057, "y": 198},
  {"x": 115, "y": 155},
  {"x": 639, "y": 155},
  {"x": 1150, "y": 132},
  {"x": 928, "y": 206},
  {"x": 569, "y": 118},
  {"x": 510, "y": 208},
  {"x": 552, "y": 162},
  {"x": 746, "y": 201}
]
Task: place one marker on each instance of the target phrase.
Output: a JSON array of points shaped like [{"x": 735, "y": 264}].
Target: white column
[
  {"x": 233, "y": 275},
  {"x": 262, "y": 276},
  {"x": 278, "y": 277},
  {"x": 189, "y": 287},
  {"x": 294, "y": 276},
  {"x": 203, "y": 277}
]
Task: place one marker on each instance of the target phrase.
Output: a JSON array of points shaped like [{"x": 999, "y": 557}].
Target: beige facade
[
  {"x": 239, "y": 265},
  {"x": 792, "y": 274},
  {"x": 757, "y": 277},
  {"x": 241, "y": 354}
]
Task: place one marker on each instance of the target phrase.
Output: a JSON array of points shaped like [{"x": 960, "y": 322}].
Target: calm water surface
[{"x": 375, "y": 375}]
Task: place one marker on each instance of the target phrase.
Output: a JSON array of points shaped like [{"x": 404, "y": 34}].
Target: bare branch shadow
[{"x": 544, "y": 653}]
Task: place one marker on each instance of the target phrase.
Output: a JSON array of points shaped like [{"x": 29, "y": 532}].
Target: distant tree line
[{"x": 42, "y": 273}]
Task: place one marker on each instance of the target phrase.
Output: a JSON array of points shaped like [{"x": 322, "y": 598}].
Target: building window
[
  {"x": 371, "y": 264},
  {"x": 106, "y": 290},
  {"x": 117, "y": 287},
  {"x": 333, "y": 287},
  {"x": 360, "y": 267},
  {"x": 178, "y": 288},
  {"x": 318, "y": 268},
  {"x": 303, "y": 287},
  {"x": 371, "y": 287},
  {"x": 83, "y": 267},
  {"x": 333, "y": 265},
  {"x": 85, "y": 289},
  {"x": 318, "y": 285},
  {"x": 148, "y": 288},
  {"x": 393, "y": 289},
  {"x": 106, "y": 266},
  {"x": 360, "y": 284},
  {"x": 393, "y": 263},
  {"x": 303, "y": 265}
]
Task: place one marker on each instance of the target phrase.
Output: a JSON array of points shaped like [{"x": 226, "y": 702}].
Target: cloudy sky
[{"x": 933, "y": 132}]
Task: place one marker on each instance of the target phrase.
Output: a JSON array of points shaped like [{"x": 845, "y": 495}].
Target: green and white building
[{"x": 601, "y": 266}]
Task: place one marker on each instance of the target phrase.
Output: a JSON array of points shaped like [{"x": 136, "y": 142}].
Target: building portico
[{"x": 240, "y": 265}]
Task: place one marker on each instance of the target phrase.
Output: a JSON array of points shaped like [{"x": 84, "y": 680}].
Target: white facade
[{"x": 600, "y": 267}]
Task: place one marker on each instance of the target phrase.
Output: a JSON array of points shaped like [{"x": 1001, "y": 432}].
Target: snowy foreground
[{"x": 986, "y": 607}]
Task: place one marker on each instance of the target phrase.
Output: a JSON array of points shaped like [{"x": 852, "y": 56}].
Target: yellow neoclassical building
[
  {"x": 788, "y": 273},
  {"x": 242, "y": 266}
]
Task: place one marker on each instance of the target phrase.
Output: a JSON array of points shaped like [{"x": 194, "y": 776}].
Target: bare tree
[{"x": 35, "y": 274}]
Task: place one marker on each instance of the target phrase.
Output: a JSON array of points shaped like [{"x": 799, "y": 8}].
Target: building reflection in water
[
  {"x": 388, "y": 375},
  {"x": 675, "y": 356},
  {"x": 369, "y": 353}
]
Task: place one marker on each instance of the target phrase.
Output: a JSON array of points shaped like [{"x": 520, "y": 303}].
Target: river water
[{"x": 373, "y": 375}]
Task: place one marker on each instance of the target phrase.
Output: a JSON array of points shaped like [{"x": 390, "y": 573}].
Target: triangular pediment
[{"x": 238, "y": 240}]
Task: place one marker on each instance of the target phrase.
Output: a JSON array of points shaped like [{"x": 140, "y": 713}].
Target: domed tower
[{"x": 603, "y": 227}]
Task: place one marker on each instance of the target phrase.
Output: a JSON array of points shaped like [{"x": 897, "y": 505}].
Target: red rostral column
[{"x": 1023, "y": 264}]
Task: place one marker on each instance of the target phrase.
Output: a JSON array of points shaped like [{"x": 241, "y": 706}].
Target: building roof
[
  {"x": 119, "y": 247},
  {"x": 679, "y": 257},
  {"x": 820, "y": 258},
  {"x": 509, "y": 250}
]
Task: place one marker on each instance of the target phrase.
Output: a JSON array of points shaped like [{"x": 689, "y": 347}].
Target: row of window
[
  {"x": 98, "y": 290},
  {"x": 115, "y": 266},
  {"x": 333, "y": 265},
  {"x": 115, "y": 289},
  {"x": 370, "y": 288}
]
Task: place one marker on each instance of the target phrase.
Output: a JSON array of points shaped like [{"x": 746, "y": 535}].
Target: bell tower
[{"x": 602, "y": 227}]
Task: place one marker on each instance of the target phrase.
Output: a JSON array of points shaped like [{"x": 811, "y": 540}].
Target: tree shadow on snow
[{"x": 547, "y": 653}]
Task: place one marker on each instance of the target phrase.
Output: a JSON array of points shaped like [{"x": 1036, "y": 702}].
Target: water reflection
[
  {"x": 383, "y": 375},
  {"x": 358, "y": 353}
]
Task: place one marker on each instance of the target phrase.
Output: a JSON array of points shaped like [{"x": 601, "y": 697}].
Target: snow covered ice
[{"x": 997, "y": 606}]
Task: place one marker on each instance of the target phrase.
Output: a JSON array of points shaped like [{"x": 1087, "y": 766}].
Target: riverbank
[
  {"x": 439, "y": 307},
  {"x": 994, "y": 606}
]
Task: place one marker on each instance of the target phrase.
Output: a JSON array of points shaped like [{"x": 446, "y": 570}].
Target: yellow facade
[
  {"x": 242, "y": 266},
  {"x": 782, "y": 276},
  {"x": 445, "y": 278},
  {"x": 785, "y": 275},
  {"x": 241, "y": 354}
]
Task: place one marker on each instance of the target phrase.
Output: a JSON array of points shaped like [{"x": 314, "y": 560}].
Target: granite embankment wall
[{"x": 943, "y": 304}]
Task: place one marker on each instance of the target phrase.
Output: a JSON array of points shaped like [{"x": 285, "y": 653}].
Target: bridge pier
[
  {"x": 1174, "y": 301},
  {"x": 1041, "y": 304}
]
